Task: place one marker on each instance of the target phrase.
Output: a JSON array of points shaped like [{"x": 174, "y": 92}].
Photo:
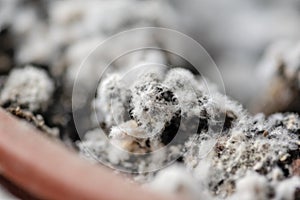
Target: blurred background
[{"x": 57, "y": 35}]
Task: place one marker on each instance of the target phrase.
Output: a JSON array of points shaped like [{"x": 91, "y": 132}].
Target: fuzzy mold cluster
[
  {"x": 28, "y": 87},
  {"x": 223, "y": 147}
]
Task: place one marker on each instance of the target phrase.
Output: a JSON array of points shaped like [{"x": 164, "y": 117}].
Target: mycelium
[{"x": 161, "y": 105}]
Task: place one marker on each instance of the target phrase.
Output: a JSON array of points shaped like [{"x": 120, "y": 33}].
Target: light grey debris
[
  {"x": 177, "y": 180},
  {"x": 93, "y": 144},
  {"x": 252, "y": 186},
  {"x": 28, "y": 87},
  {"x": 97, "y": 148},
  {"x": 288, "y": 189},
  {"x": 112, "y": 100}
]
